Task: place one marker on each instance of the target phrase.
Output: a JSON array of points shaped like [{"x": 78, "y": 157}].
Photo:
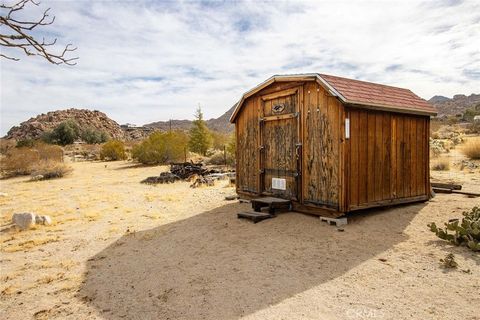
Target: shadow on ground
[{"x": 214, "y": 266}]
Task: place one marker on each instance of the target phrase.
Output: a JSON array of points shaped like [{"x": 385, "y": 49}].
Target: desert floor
[{"x": 119, "y": 249}]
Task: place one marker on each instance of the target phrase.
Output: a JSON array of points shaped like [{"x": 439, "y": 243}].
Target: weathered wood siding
[
  {"x": 279, "y": 138},
  {"x": 247, "y": 130},
  {"x": 387, "y": 158},
  {"x": 322, "y": 122}
]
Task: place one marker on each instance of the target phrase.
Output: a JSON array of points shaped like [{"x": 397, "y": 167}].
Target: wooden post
[{"x": 225, "y": 155}]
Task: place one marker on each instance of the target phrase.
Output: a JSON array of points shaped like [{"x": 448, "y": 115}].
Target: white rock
[
  {"x": 37, "y": 178},
  {"x": 46, "y": 220},
  {"x": 23, "y": 220},
  {"x": 3, "y": 194}
]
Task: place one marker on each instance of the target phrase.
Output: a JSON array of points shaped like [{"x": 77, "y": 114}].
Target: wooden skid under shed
[{"x": 255, "y": 216}]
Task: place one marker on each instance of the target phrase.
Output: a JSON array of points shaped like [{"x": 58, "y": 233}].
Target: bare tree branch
[{"x": 18, "y": 35}]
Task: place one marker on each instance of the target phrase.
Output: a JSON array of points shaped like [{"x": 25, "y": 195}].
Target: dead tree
[{"x": 17, "y": 34}]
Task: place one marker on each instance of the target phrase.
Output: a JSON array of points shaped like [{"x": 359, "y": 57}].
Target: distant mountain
[
  {"x": 220, "y": 124},
  {"x": 457, "y": 105},
  {"x": 34, "y": 127}
]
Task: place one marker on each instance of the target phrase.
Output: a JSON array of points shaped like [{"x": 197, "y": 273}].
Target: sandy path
[{"x": 186, "y": 256}]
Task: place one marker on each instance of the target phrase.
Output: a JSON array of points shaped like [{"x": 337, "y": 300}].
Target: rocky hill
[
  {"x": 34, "y": 127},
  {"x": 220, "y": 124},
  {"x": 456, "y": 105}
]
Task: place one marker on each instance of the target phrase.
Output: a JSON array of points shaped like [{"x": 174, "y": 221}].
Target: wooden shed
[{"x": 332, "y": 145}]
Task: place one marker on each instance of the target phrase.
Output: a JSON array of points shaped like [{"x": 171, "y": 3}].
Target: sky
[{"x": 145, "y": 61}]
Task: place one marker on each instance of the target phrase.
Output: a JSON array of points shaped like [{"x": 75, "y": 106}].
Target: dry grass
[
  {"x": 19, "y": 161},
  {"x": 49, "y": 169},
  {"x": 48, "y": 152},
  {"x": 41, "y": 159},
  {"x": 92, "y": 216},
  {"x": 6, "y": 145},
  {"x": 442, "y": 164},
  {"x": 9, "y": 290},
  {"x": 471, "y": 149},
  {"x": 50, "y": 278},
  {"x": 29, "y": 244}
]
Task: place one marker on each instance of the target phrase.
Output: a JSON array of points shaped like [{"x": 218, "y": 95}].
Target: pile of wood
[
  {"x": 451, "y": 188},
  {"x": 186, "y": 170},
  {"x": 202, "y": 181},
  {"x": 190, "y": 171},
  {"x": 165, "y": 177}
]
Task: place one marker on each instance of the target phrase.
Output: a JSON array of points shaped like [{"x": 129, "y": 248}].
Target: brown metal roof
[{"x": 356, "y": 93}]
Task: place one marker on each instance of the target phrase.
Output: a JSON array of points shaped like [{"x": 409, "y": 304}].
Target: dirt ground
[{"x": 119, "y": 249}]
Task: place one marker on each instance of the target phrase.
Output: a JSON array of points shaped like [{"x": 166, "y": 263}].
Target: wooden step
[
  {"x": 272, "y": 204},
  {"x": 255, "y": 216}
]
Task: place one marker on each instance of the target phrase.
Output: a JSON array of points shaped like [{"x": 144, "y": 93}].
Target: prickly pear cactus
[{"x": 461, "y": 233}]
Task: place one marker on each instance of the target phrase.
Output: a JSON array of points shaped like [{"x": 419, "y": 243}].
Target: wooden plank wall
[
  {"x": 279, "y": 138},
  {"x": 321, "y": 147},
  {"x": 388, "y": 157},
  {"x": 247, "y": 131}
]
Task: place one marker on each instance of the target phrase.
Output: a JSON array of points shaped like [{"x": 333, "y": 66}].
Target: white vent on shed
[{"x": 279, "y": 184}]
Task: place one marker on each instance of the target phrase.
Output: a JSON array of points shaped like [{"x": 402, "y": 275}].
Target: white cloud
[{"x": 147, "y": 61}]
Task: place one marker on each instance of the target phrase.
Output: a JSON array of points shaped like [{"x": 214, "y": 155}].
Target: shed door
[{"x": 280, "y": 144}]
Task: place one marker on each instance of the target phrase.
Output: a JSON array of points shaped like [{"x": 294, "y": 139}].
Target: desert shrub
[
  {"x": 219, "y": 140},
  {"x": 474, "y": 127},
  {"x": 442, "y": 164},
  {"x": 218, "y": 158},
  {"x": 25, "y": 143},
  {"x": 49, "y": 169},
  {"x": 64, "y": 133},
  {"x": 49, "y": 152},
  {"x": 449, "y": 261},
  {"x": 161, "y": 148},
  {"x": 461, "y": 233},
  {"x": 470, "y": 113},
  {"x": 19, "y": 161},
  {"x": 472, "y": 149},
  {"x": 437, "y": 147},
  {"x": 6, "y": 145},
  {"x": 93, "y": 136},
  {"x": 232, "y": 145},
  {"x": 113, "y": 150}
]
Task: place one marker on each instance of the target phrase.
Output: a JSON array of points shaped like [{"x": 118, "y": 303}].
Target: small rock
[
  {"x": 45, "y": 220},
  {"x": 340, "y": 229},
  {"x": 23, "y": 220},
  {"x": 37, "y": 177},
  {"x": 3, "y": 194},
  {"x": 229, "y": 198}
]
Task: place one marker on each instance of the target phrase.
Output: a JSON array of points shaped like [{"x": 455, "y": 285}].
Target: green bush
[
  {"x": 161, "y": 148},
  {"x": 64, "y": 133},
  {"x": 93, "y": 136},
  {"x": 461, "y": 233},
  {"x": 25, "y": 143},
  {"x": 219, "y": 139},
  {"x": 113, "y": 150},
  {"x": 232, "y": 145},
  {"x": 200, "y": 137}
]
